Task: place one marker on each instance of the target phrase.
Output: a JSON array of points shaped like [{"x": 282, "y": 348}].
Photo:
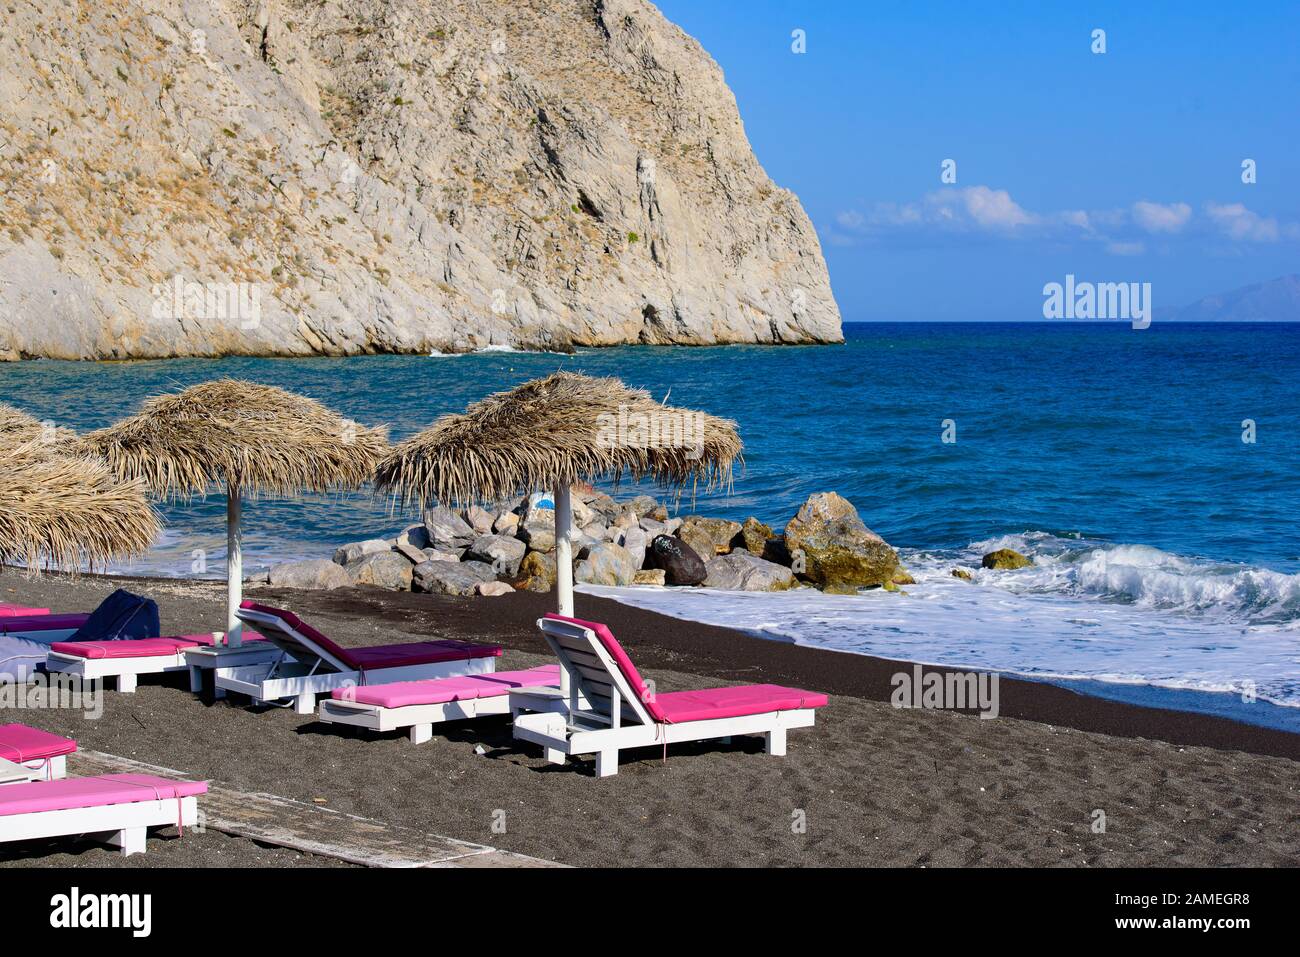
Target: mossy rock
[
  {"x": 1006, "y": 558},
  {"x": 962, "y": 574}
]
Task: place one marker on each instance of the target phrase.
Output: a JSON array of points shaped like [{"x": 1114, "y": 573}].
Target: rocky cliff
[{"x": 290, "y": 177}]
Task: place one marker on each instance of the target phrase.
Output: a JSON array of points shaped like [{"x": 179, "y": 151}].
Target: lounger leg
[
  {"x": 607, "y": 763},
  {"x": 130, "y": 839},
  {"x": 554, "y": 755},
  {"x": 775, "y": 741},
  {"x": 126, "y": 684},
  {"x": 305, "y": 703},
  {"x": 421, "y": 733},
  {"x": 196, "y": 680},
  {"x": 219, "y": 692},
  {"x": 58, "y": 767}
]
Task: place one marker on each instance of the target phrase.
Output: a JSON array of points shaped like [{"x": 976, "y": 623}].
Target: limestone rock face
[
  {"x": 835, "y": 546},
  {"x": 281, "y": 178}
]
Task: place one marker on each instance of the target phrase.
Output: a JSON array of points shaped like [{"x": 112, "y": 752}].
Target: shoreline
[
  {"x": 878, "y": 786},
  {"x": 713, "y": 648}
]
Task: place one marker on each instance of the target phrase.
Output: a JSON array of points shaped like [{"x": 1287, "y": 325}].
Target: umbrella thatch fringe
[
  {"x": 261, "y": 439},
  {"x": 65, "y": 511},
  {"x": 551, "y": 431}
]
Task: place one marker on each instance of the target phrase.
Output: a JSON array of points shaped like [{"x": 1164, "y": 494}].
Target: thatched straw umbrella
[
  {"x": 64, "y": 510},
  {"x": 551, "y": 433},
  {"x": 18, "y": 429},
  {"x": 252, "y": 439}
]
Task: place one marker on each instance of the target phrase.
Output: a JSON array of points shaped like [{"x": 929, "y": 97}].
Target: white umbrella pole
[
  {"x": 234, "y": 568},
  {"x": 563, "y": 549}
]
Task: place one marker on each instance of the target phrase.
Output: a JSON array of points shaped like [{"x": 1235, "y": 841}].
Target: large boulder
[
  {"x": 635, "y": 541},
  {"x": 451, "y": 578},
  {"x": 537, "y": 528},
  {"x": 605, "y": 563},
  {"x": 753, "y": 536},
  {"x": 605, "y": 507},
  {"x": 506, "y": 523},
  {"x": 743, "y": 571},
  {"x": 355, "y": 551},
  {"x": 437, "y": 555},
  {"x": 650, "y": 576},
  {"x": 447, "y": 530},
  {"x": 492, "y": 589},
  {"x": 643, "y": 505},
  {"x": 384, "y": 570},
  {"x": 681, "y": 564},
  {"x": 536, "y": 572},
  {"x": 478, "y": 519},
  {"x": 411, "y": 542},
  {"x": 830, "y": 545},
  {"x": 313, "y": 573},
  {"x": 1006, "y": 558},
  {"x": 502, "y": 552},
  {"x": 708, "y": 536}
]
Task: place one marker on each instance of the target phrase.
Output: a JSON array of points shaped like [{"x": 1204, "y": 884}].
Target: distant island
[{"x": 1277, "y": 300}]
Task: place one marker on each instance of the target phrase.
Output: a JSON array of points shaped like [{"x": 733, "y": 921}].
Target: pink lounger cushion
[
  {"x": 139, "y": 647},
  {"x": 10, "y": 624},
  {"x": 375, "y": 657},
  {"x": 403, "y": 694},
  {"x": 680, "y": 706},
  {"x": 7, "y": 610},
  {"x": 20, "y": 744},
  {"x": 68, "y": 793},
  {"x": 676, "y": 707}
]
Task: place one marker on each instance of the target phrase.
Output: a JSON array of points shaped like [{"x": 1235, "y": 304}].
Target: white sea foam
[{"x": 1111, "y": 613}]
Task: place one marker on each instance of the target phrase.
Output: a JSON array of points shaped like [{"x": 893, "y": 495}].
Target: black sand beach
[{"x": 875, "y": 785}]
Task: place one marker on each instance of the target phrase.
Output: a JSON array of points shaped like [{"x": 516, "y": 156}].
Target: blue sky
[{"x": 1115, "y": 166}]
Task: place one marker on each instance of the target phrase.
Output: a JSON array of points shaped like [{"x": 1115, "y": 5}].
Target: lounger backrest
[
  {"x": 290, "y": 633},
  {"x": 599, "y": 667}
]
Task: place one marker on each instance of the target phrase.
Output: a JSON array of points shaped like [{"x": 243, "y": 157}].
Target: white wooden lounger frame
[
  {"x": 42, "y": 769},
  {"x": 126, "y": 671},
  {"x": 420, "y": 718},
  {"x": 122, "y": 825},
  {"x": 321, "y": 672},
  {"x": 604, "y": 714}
]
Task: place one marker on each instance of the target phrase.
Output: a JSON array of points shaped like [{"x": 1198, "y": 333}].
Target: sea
[{"x": 1152, "y": 475}]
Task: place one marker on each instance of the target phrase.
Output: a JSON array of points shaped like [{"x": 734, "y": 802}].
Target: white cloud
[
  {"x": 1238, "y": 222},
  {"x": 1126, "y": 249},
  {"x": 1160, "y": 218},
  {"x": 988, "y": 208}
]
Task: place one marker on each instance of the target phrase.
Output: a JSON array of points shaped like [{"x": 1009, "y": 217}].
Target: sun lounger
[
  {"x": 41, "y": 626},
  {"x": 118, "y": 806},
  {"x": 312, "y": 664},
  {"x": 127, "y": 659},
  {"x": 419, "y": 705},
  {"x": 42, "y": 755},
  {"x": 609, "y": 707},
  {"x": 7, "y": 611}
]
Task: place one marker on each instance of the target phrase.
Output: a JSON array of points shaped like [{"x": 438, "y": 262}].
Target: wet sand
[{"x": 871, "y": 784}]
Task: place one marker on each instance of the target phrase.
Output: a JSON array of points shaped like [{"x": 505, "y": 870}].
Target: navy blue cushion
[{"x": 121, "y": 615}]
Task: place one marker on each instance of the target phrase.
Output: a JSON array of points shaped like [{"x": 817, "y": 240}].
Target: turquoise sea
[{"x": 1166, "y": 547}]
